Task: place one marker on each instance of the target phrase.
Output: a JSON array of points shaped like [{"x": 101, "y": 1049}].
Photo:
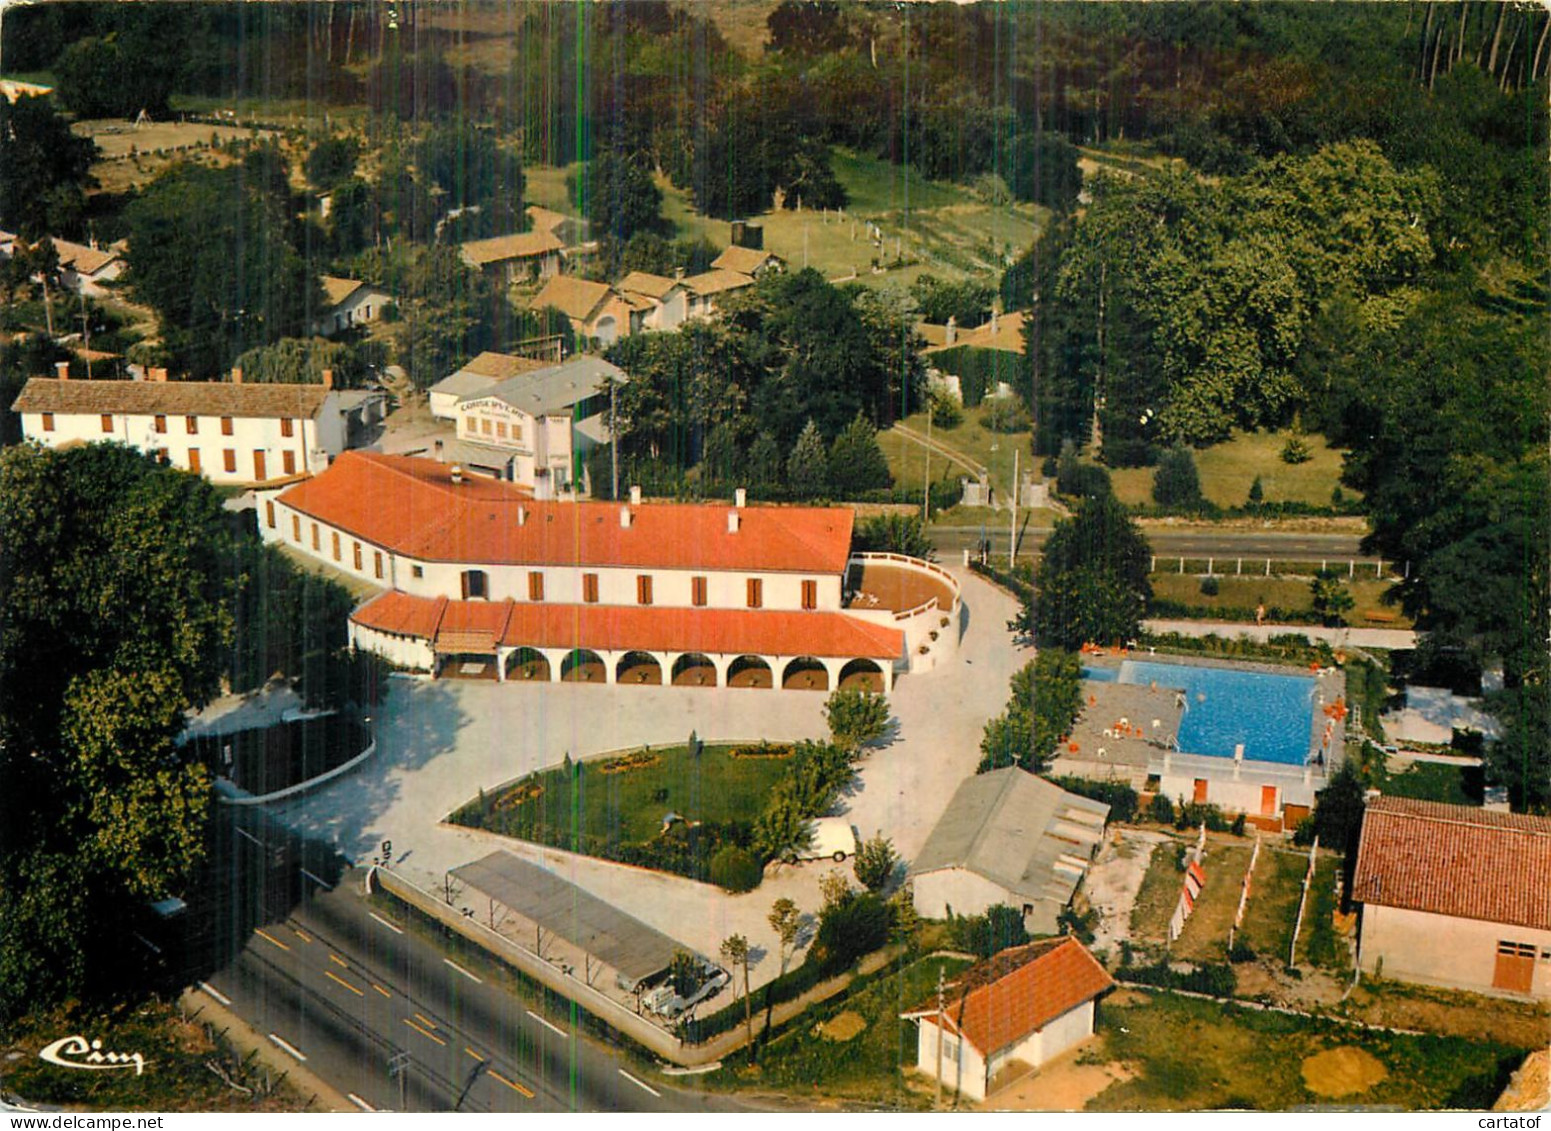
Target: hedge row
[{"x": 1120, "y": 797}]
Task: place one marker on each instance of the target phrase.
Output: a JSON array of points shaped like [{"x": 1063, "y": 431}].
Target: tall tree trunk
[
  {"x": 1432, "y": 76},
  {"x": 1497, "y": 38},
  {"x": 1534, "y": 69},
  {"x": 1502, "y": 83},
  {"x": 1421, "y": 57},
  {"x": 1459, "y": 39},
  {"x": 350, "y": 35}
]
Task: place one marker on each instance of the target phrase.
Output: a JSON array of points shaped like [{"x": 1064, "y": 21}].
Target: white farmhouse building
[
  {"x": 480, "y": 373},
  {"x": 481, "y": 580},
  {"x": 1009, "y": 1014},
  {"x": 348, "y": 303},
  {"x": 228, "y": 432}
]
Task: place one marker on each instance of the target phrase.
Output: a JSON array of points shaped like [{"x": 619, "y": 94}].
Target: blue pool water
[{"x": 1272, "y": 715}]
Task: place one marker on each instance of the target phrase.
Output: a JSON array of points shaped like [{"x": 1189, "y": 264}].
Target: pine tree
[
  {"x": 807, "y": 469},
  {"x": 856, "y": 462}
]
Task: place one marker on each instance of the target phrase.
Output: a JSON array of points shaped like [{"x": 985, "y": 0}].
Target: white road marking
[
  {"x": 359, "y": 1102},
  {"x": 321, "y": 883},
  {"x": 639, "y": 1084},
  {"x": 215, "y": 993},
  {"x": 290, "y": 1048},
  {"x": 546, "y": 1024},
  {"x": 385, "y": 923},
  {"x": 465, "y": 973}
]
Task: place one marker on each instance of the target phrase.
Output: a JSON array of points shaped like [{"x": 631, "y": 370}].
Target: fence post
[
  {"x": 1268, "y": 567},
  {"x": 1209, "y": 562},
  {"x": 1181, "y": 565},
  {"x": 1351, "y": 568},
  {"x": 1154, "y": 567},
  {"x": 1239, "y": 569}
]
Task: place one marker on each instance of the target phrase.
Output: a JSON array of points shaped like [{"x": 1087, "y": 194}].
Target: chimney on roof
[
  {"x": 236, "y": 375},
  {"x": 740, "y": 497},
  {"x": 328, "y": 378},
  {"x": 624, "y": 517},
  {"x": 635, "y": 495},
  {"x": 437, "y": 449},
  {"x": 457, "y": 474},
  {"x": 734, "y": 520},
  {"x": 678, "y": 273},
  {"x": 62, "y": 370}
]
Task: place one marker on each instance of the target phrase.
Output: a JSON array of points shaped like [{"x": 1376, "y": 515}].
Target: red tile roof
[
  {"x": 1455, "y": 860},
  {"x": 480, "y": 625},
  {"x": 412, "y": 507},
  {"x": 1001, "y": 1001}
]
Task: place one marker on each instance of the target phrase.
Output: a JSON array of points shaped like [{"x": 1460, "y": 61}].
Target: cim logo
[{"x": 78, "y": 1052}]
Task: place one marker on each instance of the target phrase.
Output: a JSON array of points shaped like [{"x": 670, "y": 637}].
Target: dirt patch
[
  {"x": 1065, "y": 1085},
  {"x": 843, "y": 1026},
  {"x": 1344, "y": 1071},
  {"x": 1451, "y": 1013},
  {"x": 1126, "y": 997}
]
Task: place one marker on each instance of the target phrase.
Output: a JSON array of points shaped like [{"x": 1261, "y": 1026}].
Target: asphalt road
[
  {"x": 1225, "y": 544},
  {"x": 396, "y": 1025}
]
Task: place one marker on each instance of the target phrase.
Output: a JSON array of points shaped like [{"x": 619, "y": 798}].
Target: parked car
[
  {"x": 830, "y": 838},
  {"x": 668, "y": 1003}
]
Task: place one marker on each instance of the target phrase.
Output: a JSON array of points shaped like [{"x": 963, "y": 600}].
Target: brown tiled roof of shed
[
  {"x": 573, "y": 297},
  {"x": 1455, "y": 860},
  {"x": 523, "y": 245},
  {"x": 172, "y": 398}
]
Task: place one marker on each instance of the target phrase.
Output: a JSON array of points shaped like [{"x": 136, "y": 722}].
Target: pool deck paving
[{"x": 440, "y": 742}]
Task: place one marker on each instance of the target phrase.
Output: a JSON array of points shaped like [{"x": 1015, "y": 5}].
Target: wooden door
[
  {"x": 1268, "y": 801},
  {"x": 1200, "y": 794},
  {"x": 193, "y": 460},
  {"x": 260, "y": 472},
  {"x": 1515, "y": 970}
]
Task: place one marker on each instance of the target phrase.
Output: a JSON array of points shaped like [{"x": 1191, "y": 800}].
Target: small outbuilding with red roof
[{"x": 1009, "y": 1014}]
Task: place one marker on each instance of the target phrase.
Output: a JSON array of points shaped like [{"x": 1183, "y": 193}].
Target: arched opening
[
  {"x": 527, "y": 664},
  {"x": 805, "y": 674},
  {"x": 694, "y": 669},
  {"x": 749, "y": 671},
  {"x": 638, "y": 667},
  {"x": 583, "y": 666},
  {"x": 861, "y": 675}
]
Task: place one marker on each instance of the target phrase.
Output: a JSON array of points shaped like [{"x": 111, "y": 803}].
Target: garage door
[{"x": 1515, "y": 970}]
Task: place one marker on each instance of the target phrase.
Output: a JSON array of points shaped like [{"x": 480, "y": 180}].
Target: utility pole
[
  {"x": 398, "y": 1065},
  {"x": 614, "y": 441},
  {"x": 941, "y": 1031},
  {"x": 926, "y": 475},
  {"x": 1012, "y": 532}
]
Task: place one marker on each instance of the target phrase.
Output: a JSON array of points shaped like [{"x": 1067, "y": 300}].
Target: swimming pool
[{"x": 1272, "y": 715}]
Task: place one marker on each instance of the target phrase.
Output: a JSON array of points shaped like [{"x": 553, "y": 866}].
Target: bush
[
  {"x": 1193, "y": 813},
  {"x": 1241, "y": 951},
  {"x": 735, "y": 869},
  {"x": 1176, "y": 483},
  {"x": 856, "y": 926},
  {"x": 945, "y": 411},
  {"x": 1162, "y": 809},
  {"x": 1210, "y": 586},
  {"x": 1215, "y": 978},
  {"x": 875, "y": 862},
  {"x": 1119, "y": 796},
  {"x": 1237, "y": 828},
  {"x": 1295, "y": 451},
  {"x": 984, "y": 935},
  {"x": 1005, "y": 414},
  {"x": 1079, "y": 480}
]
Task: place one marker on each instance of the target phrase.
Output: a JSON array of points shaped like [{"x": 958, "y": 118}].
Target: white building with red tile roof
[
  {"x": 1009, "y": 1014},
  {"x": 482, "y": 579},
  {"x": 1455, "y": 896}
]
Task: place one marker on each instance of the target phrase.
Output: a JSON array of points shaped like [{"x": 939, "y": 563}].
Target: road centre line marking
[
  {"x": 472, "y": 1053},
  {"x": 263, "y": 934},
  {"x": 639, "y": 1084},
  {"x": 338, "y": 961},
  {"x": 301, "y": 934},
  {"x": 395, "y": 929},
  {"x": 546, "y": 1024},
  {"x": 288, "y": 1047},
  {"x": 424, "y": 1020},
  {"x": 380, "y": 990},
  {"x": 359, "y": 1102},
  {"x": 425, "y": 1033},
  {"x": 215, "y": 993},
  {"x": 513, "y": 1086},
  {"x": 336, "y": 978},
  {"x": 465, "y": 973}
]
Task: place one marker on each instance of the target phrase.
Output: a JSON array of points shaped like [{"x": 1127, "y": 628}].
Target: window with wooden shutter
[
  {"x": 296, "y": 529},
  {"x": 269, "y": 514},
  {"x": 756, "y": 593},
  {"x": 590, "y": 588},
  {"x": 475, "y": 584},
  {"x": 107, "y": 422},
  {"x": 191, "y": 425},
  {"x": 229, "y": 459},
  {"x": 226, "y": 426},
  {"x": 697, "y": 590},
  {"x": 377, "y": 564},
  {"x": 193, "y": 461},
  {"x": 336, "y": 545},
  {"x": 48, "y": 422},
  {"x": 643, "y": 589},
  {"x": 535, "y": 585},
  {"x": 810, "y": 594},
  {"x": 161, "y": 423},
  {"x": 316, "y": 544},
  {"x": 288, "y": 462},
  {"x": 357, "y": 555},
  {"x": 286, "y": 426}
]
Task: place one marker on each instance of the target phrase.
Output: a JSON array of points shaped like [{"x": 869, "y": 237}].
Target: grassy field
[
  {"x": 854, "y": 1048},
  {"x": 1285, "y": 593},
  {"x": 1432, "y": 781},
  {"x": 1157, "y": 896},
  {"x": 978, "y": 444},
  {"x": 1228, "y": 469},
  {"x": 1319, "y": 944},
  {"x": 1273, "y": 903},
  {"x": 629, "y": 805},
  {"x": 1194, "y": 1055},
  {"x": 176, "y": 1054},
  {"x": 545, "y": 186}
]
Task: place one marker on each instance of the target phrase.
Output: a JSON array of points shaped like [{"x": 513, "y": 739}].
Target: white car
[{"x": 832, "y": 838}]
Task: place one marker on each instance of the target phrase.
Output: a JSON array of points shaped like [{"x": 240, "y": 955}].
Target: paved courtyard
[{"x": 440, "y": 742}]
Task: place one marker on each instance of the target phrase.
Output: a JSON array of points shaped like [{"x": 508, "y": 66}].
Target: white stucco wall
[
  {"x": 1417, "y": 946},
  {"x": 1043, "y": 1045},
  {"x": 965, "y": 892},
  {"x": 404, "y": 651},
  {"x": 964, "y": 1070},
  {"x": 364, "y": 306}
]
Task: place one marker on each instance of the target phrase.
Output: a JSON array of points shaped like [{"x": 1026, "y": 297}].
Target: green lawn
[
  {"x": 628, "y": 806},
  {"x": 1205, "y": 937},
  {"x": 1432, "y": 781},
  {"x": 1237, "y": 594},
  {"x": 1273, "y": 903},
  {"x": 1228, "y": 469},
  {"x": 978, "y": 444},
  {"x": 1319, "y": 944},
  {"x": 545, "y": 186},
  {"x": 809, "y": 1059},
  {"x": 1157, "y": 896},
  {"x": 1194, "y": 1055}
]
